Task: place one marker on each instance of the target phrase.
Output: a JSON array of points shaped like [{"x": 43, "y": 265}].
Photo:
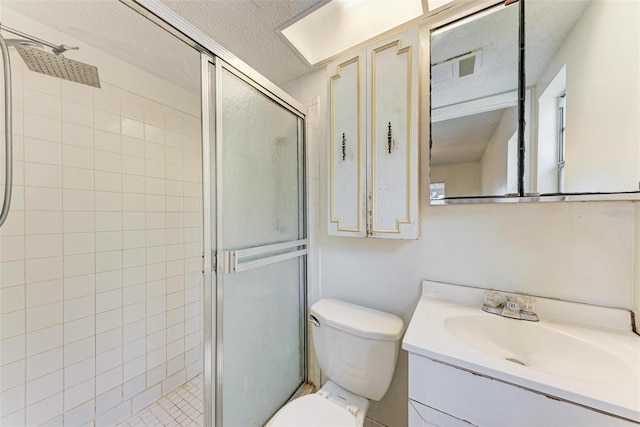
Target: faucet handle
[
  {"x": 493, "y": 302},
  {"x": 527, "y": 303},
  {"x": 494, "y": 299},
  {"x": 528, "y": 307}
]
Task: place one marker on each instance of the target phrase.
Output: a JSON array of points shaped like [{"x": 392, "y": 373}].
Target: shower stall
[{"x": 153, "y": 259}]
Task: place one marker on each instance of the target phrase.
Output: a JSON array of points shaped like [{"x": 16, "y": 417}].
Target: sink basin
[
  {"x": 536, "y": 346},
  {"x": 579, "y": 353}
]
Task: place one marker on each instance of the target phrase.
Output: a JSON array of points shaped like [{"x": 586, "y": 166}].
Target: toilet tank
[{"x": 356, "y": 347}]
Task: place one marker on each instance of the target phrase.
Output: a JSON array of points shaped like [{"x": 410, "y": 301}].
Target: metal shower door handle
[{"x": 231, "y": 261}]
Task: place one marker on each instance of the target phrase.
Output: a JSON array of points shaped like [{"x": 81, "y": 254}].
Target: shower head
[{"x": 57, "y": 65}]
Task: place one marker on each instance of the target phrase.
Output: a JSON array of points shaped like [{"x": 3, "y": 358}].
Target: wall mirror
[
  {"x": 474, "y": 99},
  {"x": 581, "y": 106},
  {"x": 583, "y": 88}
]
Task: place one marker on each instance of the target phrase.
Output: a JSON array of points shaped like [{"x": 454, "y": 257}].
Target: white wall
[
  {"x": 603, "y": 101},
  {"x": 576, "y": 251},
  {"x": 494, "y": 161},
  {"x": 100, "y": 293},
  {"x": 461, "y": 179}
]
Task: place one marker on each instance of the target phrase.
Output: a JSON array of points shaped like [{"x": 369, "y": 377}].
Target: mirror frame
[{"x": 522, "y": 196}]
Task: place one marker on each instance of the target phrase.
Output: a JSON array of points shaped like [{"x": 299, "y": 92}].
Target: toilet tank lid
[{"x": 357, "y": 320}]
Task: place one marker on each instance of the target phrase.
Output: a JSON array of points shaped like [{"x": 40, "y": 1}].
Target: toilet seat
[{"x": 313, "y": 410}]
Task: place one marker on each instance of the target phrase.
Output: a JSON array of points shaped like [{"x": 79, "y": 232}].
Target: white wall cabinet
[{"x": 373, "y": 141}]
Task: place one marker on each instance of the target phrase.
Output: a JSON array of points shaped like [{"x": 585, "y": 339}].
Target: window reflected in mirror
[{"x": 582, "y": 74}]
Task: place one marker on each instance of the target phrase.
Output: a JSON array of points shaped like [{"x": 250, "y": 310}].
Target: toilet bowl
[{"x": 357, "y": 349}]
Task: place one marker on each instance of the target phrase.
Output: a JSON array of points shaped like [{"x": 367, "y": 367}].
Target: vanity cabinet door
[
  {"x": 347, "y": 154},
  {"x": 485, "y": 401},
  {"x": 393, "y": 137},
  {"x": 423, "y": 416},
  {"x": 373, "y": 141}
]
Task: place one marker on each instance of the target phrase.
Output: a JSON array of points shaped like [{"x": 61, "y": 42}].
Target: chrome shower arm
[{"x": 57, "y": 49}]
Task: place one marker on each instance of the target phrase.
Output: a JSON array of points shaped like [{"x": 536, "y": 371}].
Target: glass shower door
[{"x": 260, "y": 258}]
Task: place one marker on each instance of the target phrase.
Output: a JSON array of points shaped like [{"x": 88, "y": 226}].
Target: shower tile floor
[{"x": 182, "y": 407}]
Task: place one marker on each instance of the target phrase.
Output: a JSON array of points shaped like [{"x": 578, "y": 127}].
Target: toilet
[{"x": 357, "y": 349}]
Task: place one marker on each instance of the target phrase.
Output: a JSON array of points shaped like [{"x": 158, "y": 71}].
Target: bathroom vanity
[{"x": 579, "y": 365}]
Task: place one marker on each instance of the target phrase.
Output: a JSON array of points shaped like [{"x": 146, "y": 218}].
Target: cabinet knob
[
  {"x": 389, "y": 138},
  {"x": 344, "y": 147}
]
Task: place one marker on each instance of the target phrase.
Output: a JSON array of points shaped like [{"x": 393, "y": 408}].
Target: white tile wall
[
  {"x": 100, "y": 288},
  {"x": 313, "y": 219},
  {"x": 313, "y": 196}
]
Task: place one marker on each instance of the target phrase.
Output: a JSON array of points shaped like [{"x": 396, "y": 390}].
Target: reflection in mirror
[
  {"x": 582, "y": 68},
  {"x": 474, "y": 118}
]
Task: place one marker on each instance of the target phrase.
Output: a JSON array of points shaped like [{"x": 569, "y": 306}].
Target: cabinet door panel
[
  {"x": 394, "y": 137},
  {"x": 423, "y": 416},
  {"x": 485, "y": 401},
  {"x": 347, "y": 162}
]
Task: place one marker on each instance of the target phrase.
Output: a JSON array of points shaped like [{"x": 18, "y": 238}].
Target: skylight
[{"x": 341, "y": 24}]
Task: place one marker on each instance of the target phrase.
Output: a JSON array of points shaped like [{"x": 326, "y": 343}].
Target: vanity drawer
[{"x": 484, "y": 401}]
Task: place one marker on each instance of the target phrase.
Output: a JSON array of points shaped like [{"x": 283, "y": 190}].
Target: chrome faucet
[{"x": 521, "y": 307}]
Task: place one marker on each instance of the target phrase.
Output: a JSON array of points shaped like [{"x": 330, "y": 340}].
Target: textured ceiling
[
  {"x": 497, "y": 36},
  {"x": 548, "y": 24},
  {"x": 249, "y": 30}
]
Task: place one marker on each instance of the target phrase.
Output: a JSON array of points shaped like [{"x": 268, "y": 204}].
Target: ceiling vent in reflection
[{"x": 456, "y": 67}]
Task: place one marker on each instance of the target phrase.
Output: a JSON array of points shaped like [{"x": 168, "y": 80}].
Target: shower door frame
[
  {"x": 166, "y": 18},
  {"x": 216, "y": 262},
  {"x": 213, "y": 53}
]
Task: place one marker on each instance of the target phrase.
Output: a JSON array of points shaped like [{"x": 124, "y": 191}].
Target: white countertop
[{"x": 617, "y": 394}]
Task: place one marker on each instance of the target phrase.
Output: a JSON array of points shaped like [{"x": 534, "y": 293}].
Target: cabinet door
[
  {"x": 392, "y": 75},
  {"x": 422, "y": 416},
  {"x": 415, "y": 420},
  {"x": 347, "y": 161},
  {"x": 485, "y": 401}
]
